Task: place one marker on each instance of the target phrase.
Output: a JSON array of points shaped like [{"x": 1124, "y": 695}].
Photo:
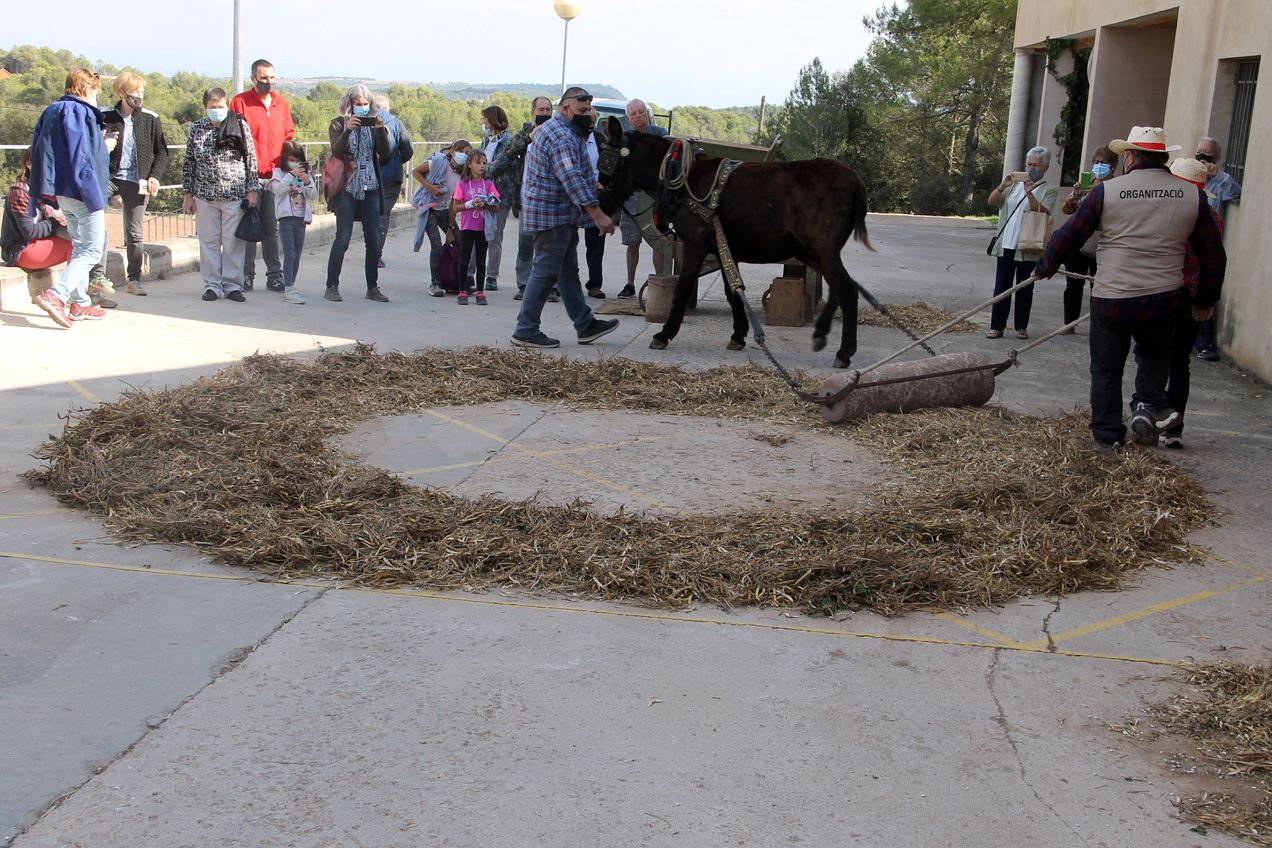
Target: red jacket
[{"x": 270, "y": 127}]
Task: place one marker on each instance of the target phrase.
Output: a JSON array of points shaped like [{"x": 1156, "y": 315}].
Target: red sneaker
[
  {"x": 462, "y": 297},
  {"x": 53, "y": 305},
  {"x": 86, "y": 313},
  {"x": 481, "y": 298}
]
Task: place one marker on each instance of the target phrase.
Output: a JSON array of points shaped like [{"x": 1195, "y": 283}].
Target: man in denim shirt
[{"x": 558, "y": 195}]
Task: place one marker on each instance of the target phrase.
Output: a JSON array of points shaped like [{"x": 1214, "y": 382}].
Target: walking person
[
  {"x": 1145, "y": 223},
  {"x": 391, "y": 172},
  {"x": 137, "y": 165},
  {"x": 69, "y": 160},
  {"x": 268, "y": 115},
  {"x": 438, "y": 176},
  {"x": 559, "y": 192},
  {"x": 474, "y": 203},
  {"x": 1028, "y": 192},
  {"x": 494, "y": 122},
  {"x": 294, "y": 192},
  {"x": 360, "y": 138},
  {"x": 219, "y": 180}
]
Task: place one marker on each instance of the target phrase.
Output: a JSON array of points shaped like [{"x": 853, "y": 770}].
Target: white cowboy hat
[
  {"x": 1190, "y": 169},
  {"x": 1148, "y": 139}
]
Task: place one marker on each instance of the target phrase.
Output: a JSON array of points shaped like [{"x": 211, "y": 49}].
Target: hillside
[{"x": 449, "y": 90}]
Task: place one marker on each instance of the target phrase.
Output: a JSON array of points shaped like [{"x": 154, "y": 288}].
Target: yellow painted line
[
  {"x": 569, "y": 469},
  {"x": 976, "y": 628},
  {"x": 1243, "y": 566},
  {"x": 434, "y": 595},
  {"x": 1137, "y": 615},
  {"x": 75, "y": 384}
]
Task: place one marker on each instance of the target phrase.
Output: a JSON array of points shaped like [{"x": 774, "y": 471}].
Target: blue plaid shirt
[{"x": 559, "y": 181}]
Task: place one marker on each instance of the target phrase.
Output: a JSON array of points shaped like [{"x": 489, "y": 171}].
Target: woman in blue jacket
[{"x": 69, "y": 160}]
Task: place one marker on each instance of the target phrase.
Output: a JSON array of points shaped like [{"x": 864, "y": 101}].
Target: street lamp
[
  {"x": 567, "y": 10},
  {"x": 236, "y": 74}
]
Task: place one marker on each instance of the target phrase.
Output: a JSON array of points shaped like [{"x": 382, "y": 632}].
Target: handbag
[
  {"x": 250, "y": 226},
  {"x": 1035, "y": 229},
  {"x": 448, "y": 268},
  {"x": 335, "y": 176}
]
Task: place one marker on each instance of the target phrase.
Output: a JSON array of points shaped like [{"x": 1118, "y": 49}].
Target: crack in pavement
[
  {"x": 227, "y": 664},
  {"x": 1001, "y": 720},
  {"x": 1046, "y": 627}
]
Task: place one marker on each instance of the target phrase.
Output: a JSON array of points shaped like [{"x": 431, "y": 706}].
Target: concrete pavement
[{"x": 174, "y": 701}]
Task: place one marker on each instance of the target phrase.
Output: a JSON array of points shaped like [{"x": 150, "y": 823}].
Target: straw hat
[
  {"x": 1148, "y": 139},
  {"x": 1190, "y": 169}
]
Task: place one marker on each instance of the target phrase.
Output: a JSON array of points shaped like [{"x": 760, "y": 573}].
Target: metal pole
[
  {"x": 236, "y": 76},
  {"x": 565, "y": 43},
  {"x": 759, "y": 131}
]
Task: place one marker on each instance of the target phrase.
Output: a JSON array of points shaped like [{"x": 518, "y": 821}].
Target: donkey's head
[{"x": 627, "y": 162}]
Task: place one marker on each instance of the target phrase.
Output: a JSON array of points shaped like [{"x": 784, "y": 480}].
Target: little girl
[
  {"x": 294, "y": 192},
  {"x": 474, "y": 200}
]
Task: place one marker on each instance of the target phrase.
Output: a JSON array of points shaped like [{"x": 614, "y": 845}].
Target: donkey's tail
[{"x": 859, "y": 206}]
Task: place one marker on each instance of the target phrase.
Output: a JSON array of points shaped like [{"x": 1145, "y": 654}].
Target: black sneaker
[
  {"x": 209, "y": 295},
  {"x": 1172, "y": 441},
  {"x": 1209, "y": 353},
  {"x": 236, "y": 296},
  {"x": 492, "y": 285},
  {"x": 248, "y": 282},
  {"x": 1143, "y": 425},
  {"x": 596, "y": 293},
  {"x": 538, "y": 340},
  {"x": 599, "y": 327},
  {"x": 1167, "y": 419},
  {"x": 274, "y": 285},
  {"x": 1106, "y": 447},
  {"x": 520, "y": 295},
  {"x": 554, "y": 296},
  {"x": 626, "y": 293}
]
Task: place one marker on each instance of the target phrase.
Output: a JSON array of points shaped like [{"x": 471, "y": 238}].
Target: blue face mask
[
  {"x": 218, "y": 113},
  {"x": 1036, "y": 174},
  {"x": 460, "y": 159},
  {"x": 361, "y": 111},
  {"x": 1101, "y": 170}
]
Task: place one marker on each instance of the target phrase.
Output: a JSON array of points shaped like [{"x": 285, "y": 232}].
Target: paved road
[{"x": 167, "y": 700}]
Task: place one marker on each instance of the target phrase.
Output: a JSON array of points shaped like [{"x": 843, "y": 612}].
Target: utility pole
[
  {"x": 236, "y": 76},
  {"x": 759, "y": 131}
]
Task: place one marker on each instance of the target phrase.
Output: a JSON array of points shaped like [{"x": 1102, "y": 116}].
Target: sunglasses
[
  {"x": 584, "y": 98},
  {"x": 1204, "y": 157}
]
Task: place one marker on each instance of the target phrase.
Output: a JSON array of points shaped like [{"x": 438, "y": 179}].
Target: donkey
[{"x": 770, "y": 212}]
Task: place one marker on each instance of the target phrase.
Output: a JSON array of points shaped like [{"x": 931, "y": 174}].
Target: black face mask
[
  {"x": 582, "y": 123},
  {"x": 541, "y": 119},
  {"x": 264, "y": 87}
]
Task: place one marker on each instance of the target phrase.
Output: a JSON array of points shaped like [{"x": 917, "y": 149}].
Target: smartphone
[
  {"x": 1084, "y": 180},
  {"x": 1019, "y": 176}
]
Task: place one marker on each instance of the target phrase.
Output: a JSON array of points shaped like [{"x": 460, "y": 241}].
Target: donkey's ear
[{"x": 614, "y": 131}]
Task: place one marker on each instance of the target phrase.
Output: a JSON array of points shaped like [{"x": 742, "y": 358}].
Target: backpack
[{"x": 448, "y": 268}]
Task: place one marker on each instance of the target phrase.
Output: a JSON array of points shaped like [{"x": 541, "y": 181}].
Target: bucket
[{"x": 657, "y": 305}]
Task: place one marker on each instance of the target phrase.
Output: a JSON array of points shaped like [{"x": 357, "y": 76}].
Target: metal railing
[{"x": 163, "y": 224}]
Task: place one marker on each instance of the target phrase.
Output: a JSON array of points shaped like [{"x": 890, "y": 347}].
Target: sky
[{"x": 672, "y": 52}]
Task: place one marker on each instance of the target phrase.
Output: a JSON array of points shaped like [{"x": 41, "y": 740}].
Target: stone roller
[{"x": 921, "y": 384}]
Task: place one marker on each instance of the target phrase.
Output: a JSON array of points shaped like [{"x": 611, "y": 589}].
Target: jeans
[
  {"x": 291, "y": 232},
  {"x": 220, "y": 251},
  {"x": 1181, "y": 349},
  {"x": 1206, "y": 335},
  {"x": 1110, "y": 342},
  {"x": 269, "y": 244},
  {"x": 368, "y": 210},
  {"x": 553, "y": 256},
  {"x": 1007, "y": 274},
  {"x": 134, "y": 217},
  {"x": 494, "y": 255},
  {"x": 473, "y": 243},
  {"x": 88, "y": 234},
  {"x": 594, "y": 250},
  {"x": 389, "y": 193}
]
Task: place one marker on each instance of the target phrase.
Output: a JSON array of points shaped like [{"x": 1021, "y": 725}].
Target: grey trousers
[
  {"x": 389, "y": 192},
  {"x": 495, "y": 253},
  {"x": 134, "y": 217},
  {"x": 220, "y": 251},
  {"x": 270, "y": 245}
]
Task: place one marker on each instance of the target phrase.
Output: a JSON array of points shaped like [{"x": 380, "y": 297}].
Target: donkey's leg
[
  {"x": 737, "y": 341},
  {"x": 686, "y": 284},
  {"x": 821, "y": 327},
  {"x": 847, "y": 296}
]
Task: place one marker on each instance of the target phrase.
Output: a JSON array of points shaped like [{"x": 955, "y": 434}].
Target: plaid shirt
[
  {"x": 1205, "y": 240},
  {"x": 559, "y": 182}
]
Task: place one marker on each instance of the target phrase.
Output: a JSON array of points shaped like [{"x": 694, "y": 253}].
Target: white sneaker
[{"x": 292, "y": 296}]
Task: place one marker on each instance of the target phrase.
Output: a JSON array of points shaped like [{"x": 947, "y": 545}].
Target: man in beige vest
[{"x": 1145, "y": 218}]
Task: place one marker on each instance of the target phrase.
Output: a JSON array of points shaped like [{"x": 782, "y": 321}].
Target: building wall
[{"x": 1192, "y": 56}]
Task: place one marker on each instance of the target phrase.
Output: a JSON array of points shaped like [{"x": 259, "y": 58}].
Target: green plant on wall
[{"x": 1072, "y": 124}]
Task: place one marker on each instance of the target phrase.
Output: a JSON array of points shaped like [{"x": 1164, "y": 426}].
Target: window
[{"x": 1242, "y": 114}]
